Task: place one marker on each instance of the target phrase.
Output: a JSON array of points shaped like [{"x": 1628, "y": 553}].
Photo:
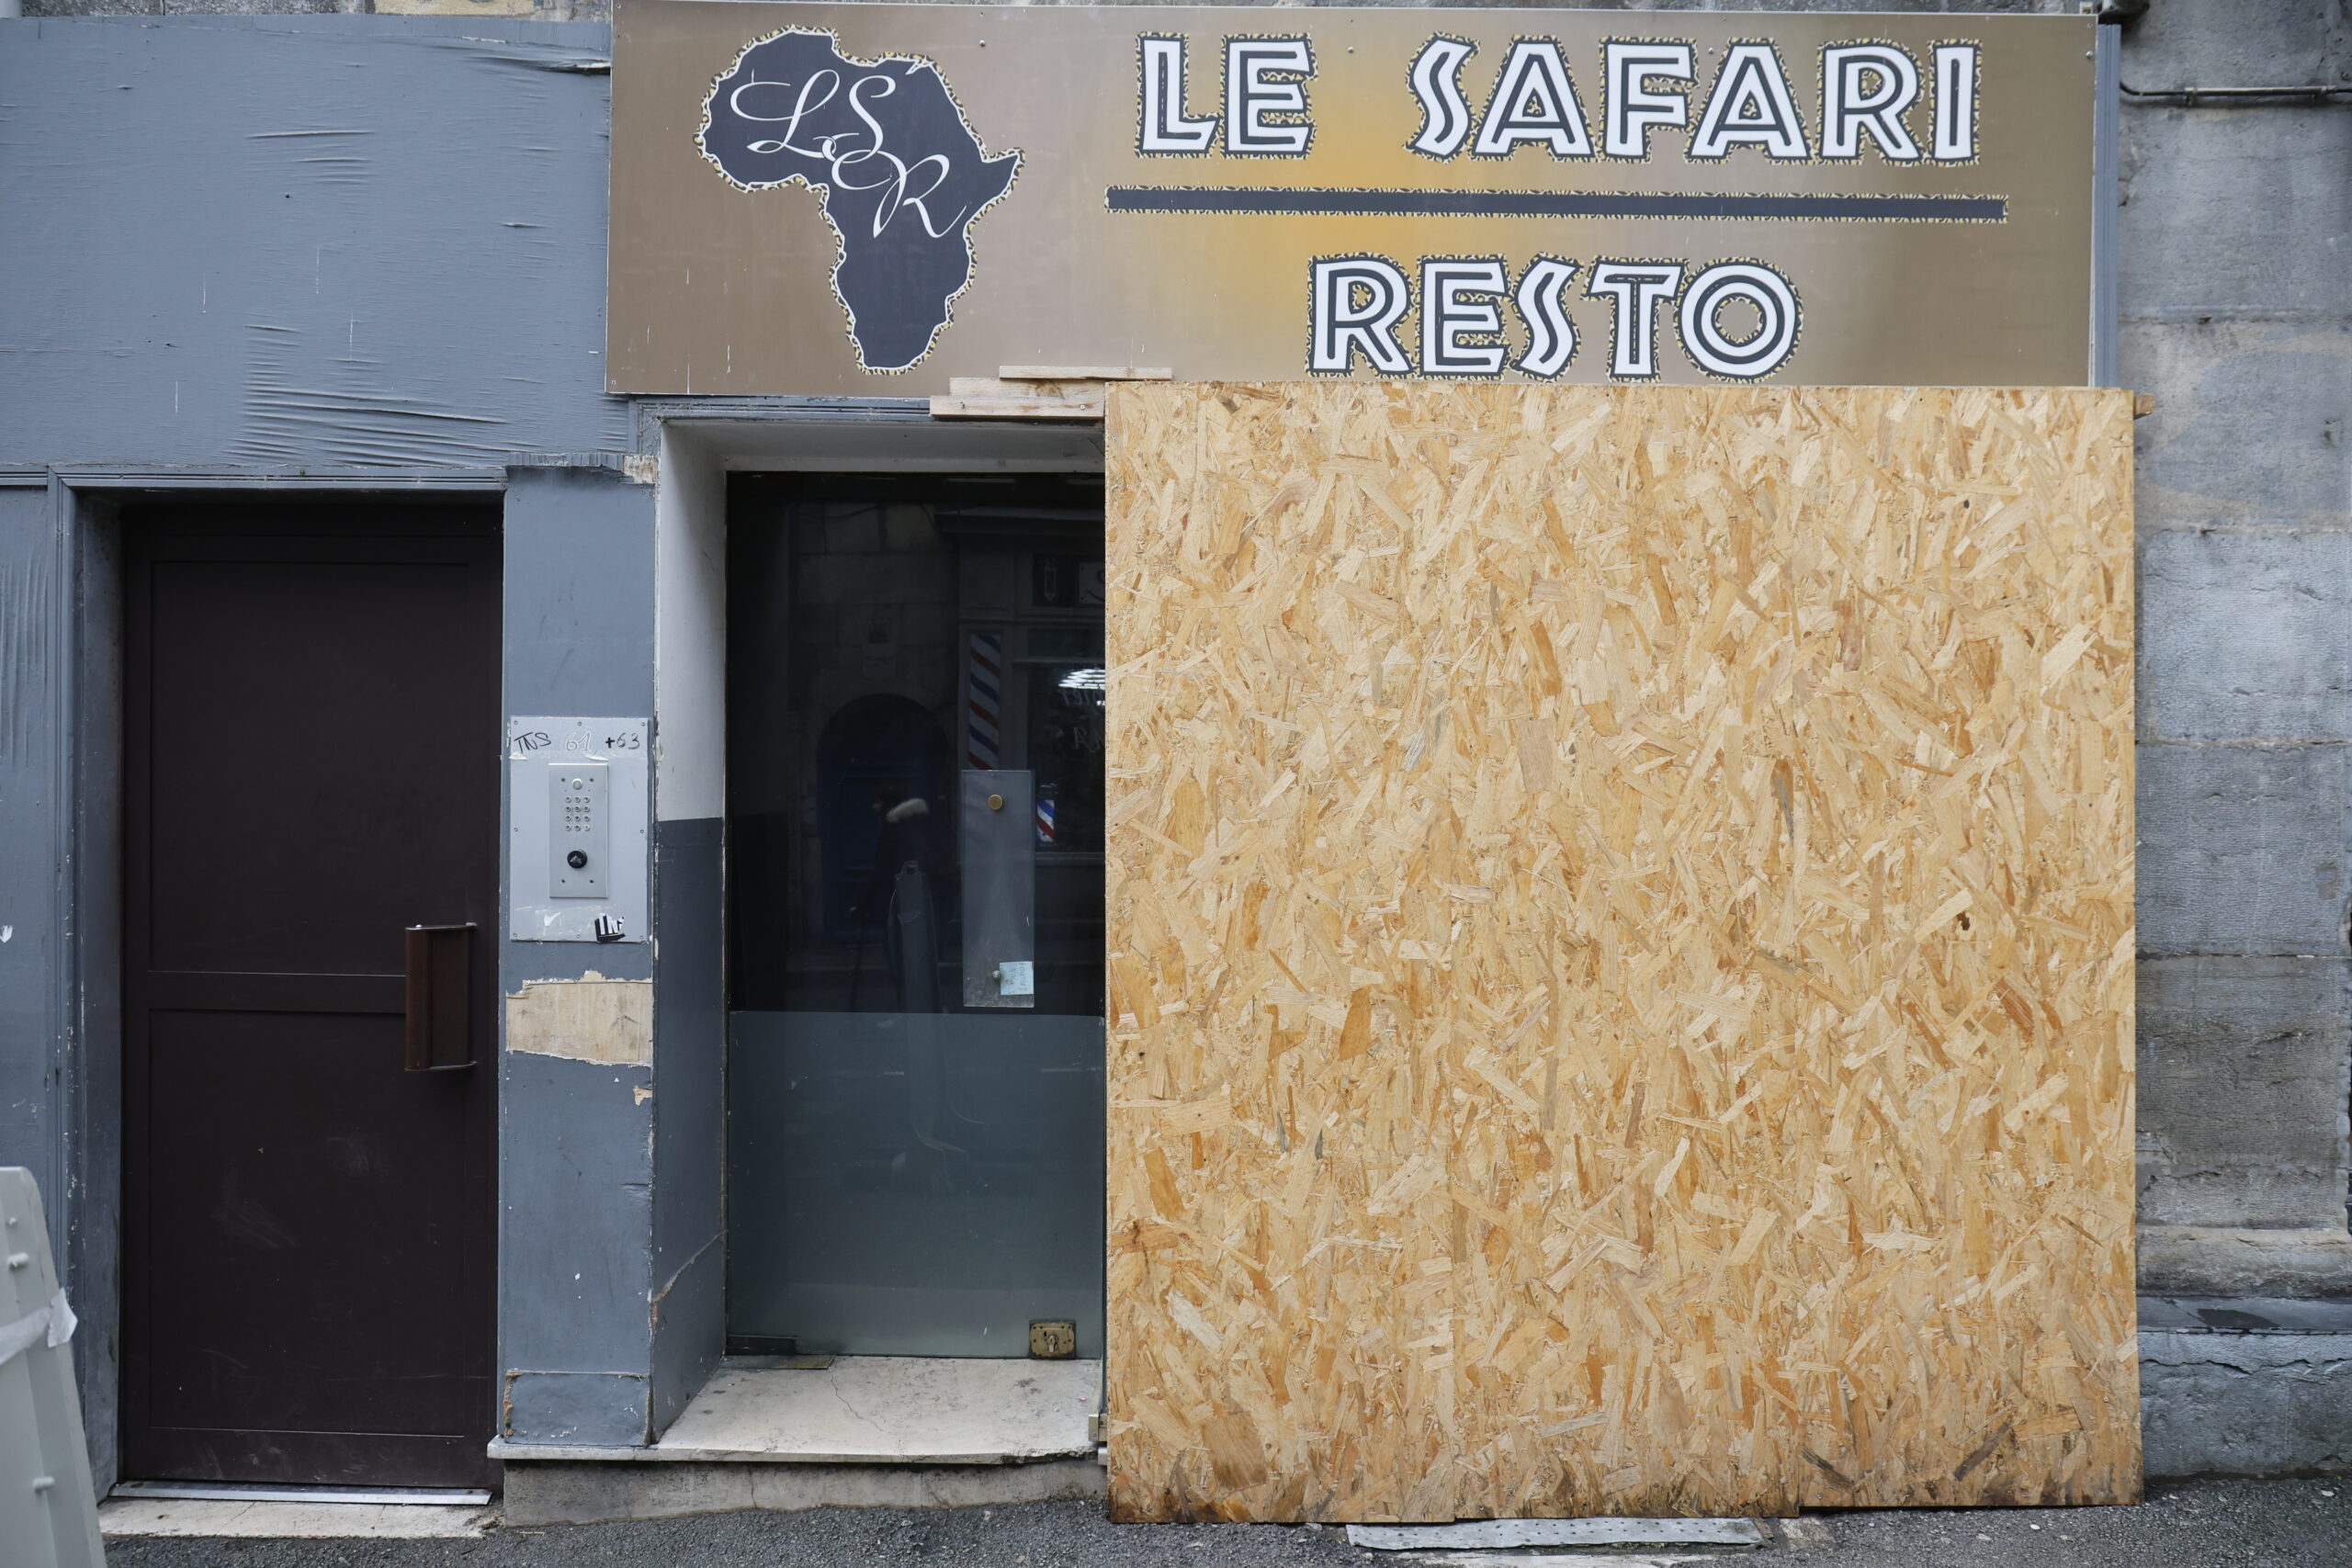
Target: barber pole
[{"x": 984, "y": 679}]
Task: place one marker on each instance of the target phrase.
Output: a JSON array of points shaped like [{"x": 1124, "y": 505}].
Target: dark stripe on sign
[{"x": 1292, "y": 200}]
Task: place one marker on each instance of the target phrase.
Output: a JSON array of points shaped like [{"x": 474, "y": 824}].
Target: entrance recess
[
  {"x": 915, "y": 802},
  {"x": 1621, "y": 950},
  {"x": 310, "y": 753}
]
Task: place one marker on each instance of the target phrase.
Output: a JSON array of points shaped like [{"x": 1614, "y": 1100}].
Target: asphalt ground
[{"x": 2193, "y": 1524}]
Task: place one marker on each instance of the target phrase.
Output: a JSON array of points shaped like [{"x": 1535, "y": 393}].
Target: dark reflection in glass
[
  {"x": 915, "y": 882},
  {"x": 1065, "y": 754}
]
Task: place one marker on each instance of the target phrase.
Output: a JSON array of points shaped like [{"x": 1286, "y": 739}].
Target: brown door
[{"x": 311, "y": 767}]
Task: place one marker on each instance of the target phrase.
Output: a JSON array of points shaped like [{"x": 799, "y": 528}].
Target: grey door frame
[{"x": 70, "y": 845}]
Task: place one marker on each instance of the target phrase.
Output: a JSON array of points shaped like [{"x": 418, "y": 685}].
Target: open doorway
[{"x": 915, "y": 794}]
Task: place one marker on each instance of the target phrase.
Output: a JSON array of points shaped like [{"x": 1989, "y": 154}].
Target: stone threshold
[
  {"x": 876, "y": 1410},
  {"x": 121, "y": 1518}
]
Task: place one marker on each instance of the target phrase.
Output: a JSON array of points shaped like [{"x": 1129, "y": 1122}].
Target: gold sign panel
[{"x": 872, "y": 200}]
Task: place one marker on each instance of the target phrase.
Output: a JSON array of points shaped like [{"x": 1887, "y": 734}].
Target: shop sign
[{"x": 874, "y": 199}]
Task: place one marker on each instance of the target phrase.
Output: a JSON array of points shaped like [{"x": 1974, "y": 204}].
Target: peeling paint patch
[{"x": 588, "y": 1020}]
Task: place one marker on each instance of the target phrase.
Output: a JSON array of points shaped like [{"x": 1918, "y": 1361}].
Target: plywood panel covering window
[{"x": 1622, "y": 950}]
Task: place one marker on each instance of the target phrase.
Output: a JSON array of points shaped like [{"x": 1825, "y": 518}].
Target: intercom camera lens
[{"x": 576, "y": 859}]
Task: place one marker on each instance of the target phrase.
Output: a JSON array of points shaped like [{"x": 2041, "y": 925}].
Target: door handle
[{"x": 440, "y": 1034}]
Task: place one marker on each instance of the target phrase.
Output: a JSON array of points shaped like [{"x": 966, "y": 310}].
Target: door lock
[{"x": 576, "y": 859}]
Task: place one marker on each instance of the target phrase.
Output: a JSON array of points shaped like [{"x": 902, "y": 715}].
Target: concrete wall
[{"x": 2235, "y": 228}]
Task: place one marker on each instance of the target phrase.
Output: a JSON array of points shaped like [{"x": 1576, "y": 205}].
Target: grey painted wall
[
  {"x": 60, "y": 1056},
  {"x": 576, "y": 1138},
  {"x": 34, "y": 861},
  {"x": 689, "y": 1319},
  {"x": 302, "y": 241},
  {"x": 288, "y": 245}
]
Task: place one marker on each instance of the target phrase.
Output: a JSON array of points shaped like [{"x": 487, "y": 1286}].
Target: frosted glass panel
[{"x": 915, "y": 1184}]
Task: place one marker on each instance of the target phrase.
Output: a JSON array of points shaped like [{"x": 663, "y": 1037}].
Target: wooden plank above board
[
  {"x": 1018, "y": 405},
  {"x": 1083, "y": 373},
  {"x": 1622, "y": 950},
  {"x": 1036, "y": 391}
]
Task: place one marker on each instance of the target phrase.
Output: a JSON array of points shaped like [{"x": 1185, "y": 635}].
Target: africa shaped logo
[{"x": 900, "y": 174}]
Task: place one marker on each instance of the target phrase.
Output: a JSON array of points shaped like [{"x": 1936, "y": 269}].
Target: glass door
[{"x": 915, "y": 876}]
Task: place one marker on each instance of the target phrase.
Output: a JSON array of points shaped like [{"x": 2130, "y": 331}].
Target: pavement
[{"x": 2189, "y": 1524}]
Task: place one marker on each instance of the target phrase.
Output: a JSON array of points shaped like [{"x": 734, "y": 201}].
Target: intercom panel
[
  {"x": 580, "y": 819},
  {"x": 577, "y": 804}
]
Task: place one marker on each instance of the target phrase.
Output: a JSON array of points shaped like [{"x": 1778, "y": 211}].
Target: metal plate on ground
[
  {"x": 1474, "y": 1533},
  {"x": 234, "y": 1491}
]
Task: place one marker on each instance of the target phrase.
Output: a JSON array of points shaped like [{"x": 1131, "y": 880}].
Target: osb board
[{"x": 1621, "y": 942}]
